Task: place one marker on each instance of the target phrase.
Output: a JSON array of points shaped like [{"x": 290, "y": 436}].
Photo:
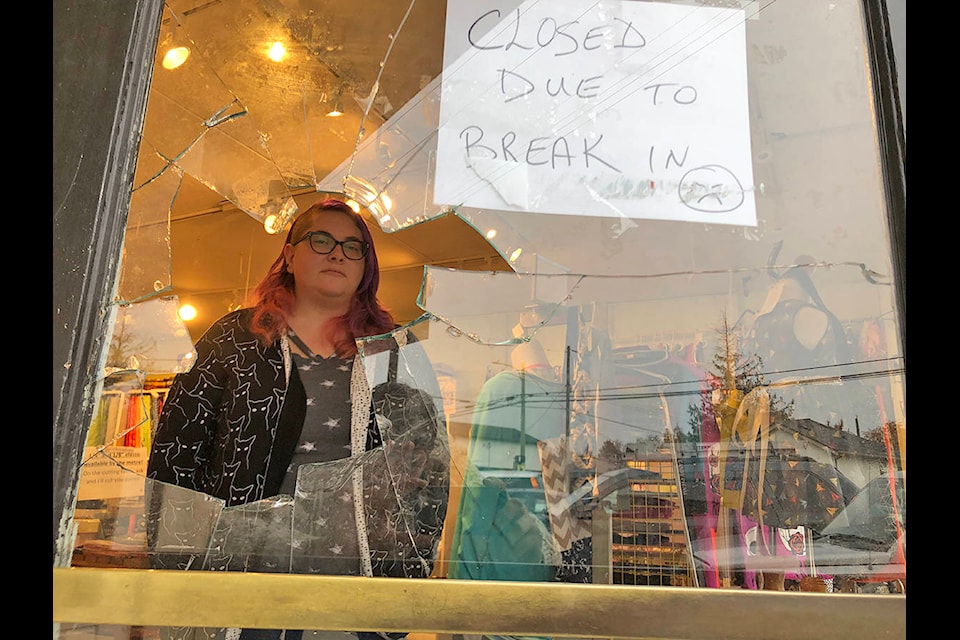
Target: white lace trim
[
  {"x": 287, "y": 359},
  {"x": 361, "y": 398}
]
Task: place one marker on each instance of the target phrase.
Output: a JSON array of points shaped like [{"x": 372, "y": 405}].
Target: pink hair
[{"x": 274, "y": 296}]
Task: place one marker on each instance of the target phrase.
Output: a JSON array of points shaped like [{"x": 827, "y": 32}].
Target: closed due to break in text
[{"x": 539, "y": 151}]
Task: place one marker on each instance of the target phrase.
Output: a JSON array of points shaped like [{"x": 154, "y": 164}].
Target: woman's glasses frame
[{"x": 351, "y": 249}]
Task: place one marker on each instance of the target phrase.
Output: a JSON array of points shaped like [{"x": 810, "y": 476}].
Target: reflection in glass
[
  {"x": 150, "y": 337},
  {"x": 646, "y": 399},
  {"x": 146, "y": 264},
  {"x": 581, "y": 392}
]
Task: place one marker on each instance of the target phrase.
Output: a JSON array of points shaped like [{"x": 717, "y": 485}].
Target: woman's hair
[{"x": 274, "y": 296}]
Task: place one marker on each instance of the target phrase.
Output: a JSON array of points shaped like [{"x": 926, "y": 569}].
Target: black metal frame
[{"x": 99, "y": 103}]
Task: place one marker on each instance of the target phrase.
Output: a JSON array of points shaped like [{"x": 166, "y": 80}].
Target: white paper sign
[
  {"x": 119, "y": 474},
  {"x": 585, "y": 108}
]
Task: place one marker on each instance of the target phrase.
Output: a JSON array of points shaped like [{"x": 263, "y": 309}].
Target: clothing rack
[
  {"x": 662, "y": 339},
  {"x": 126, "y": 417}
]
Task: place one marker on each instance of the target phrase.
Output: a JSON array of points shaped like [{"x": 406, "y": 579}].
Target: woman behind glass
[{"x": 275, "y": 387}]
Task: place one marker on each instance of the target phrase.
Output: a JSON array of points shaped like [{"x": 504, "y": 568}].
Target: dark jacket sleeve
[
  {"x": 185, "y": 429},
  {"x": 184, "y": 433},
  {"x": 414, "y": 435}
]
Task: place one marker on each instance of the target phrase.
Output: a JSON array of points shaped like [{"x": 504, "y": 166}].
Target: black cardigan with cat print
[
  {"x": 229, "y": 425},
  {"x": 228, "y": 429}
]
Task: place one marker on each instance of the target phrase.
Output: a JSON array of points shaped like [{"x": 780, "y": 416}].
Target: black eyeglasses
[{"x": 323, "y": 243}]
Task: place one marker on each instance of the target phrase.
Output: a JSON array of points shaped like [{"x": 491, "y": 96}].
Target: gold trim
[{"x": 146, "y": 597}]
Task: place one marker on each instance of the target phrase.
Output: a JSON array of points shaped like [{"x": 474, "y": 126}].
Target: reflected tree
[
  {"x": 732, "y": 369},
  {"x": 126, "y": 345},
  {"x": 614, "y": 453},
  {"x": 735, "y": 369}
]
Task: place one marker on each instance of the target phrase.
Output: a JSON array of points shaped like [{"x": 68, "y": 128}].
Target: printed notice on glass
[
  {"x": 581, "y": 107},
  {"x": 116, "y": 473}
]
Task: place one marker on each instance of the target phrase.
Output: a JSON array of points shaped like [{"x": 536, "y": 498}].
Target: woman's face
[{"x": 330, "y": 277}]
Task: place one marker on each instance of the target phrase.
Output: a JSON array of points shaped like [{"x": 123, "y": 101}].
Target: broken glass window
[{"x": 604, "y": 223}]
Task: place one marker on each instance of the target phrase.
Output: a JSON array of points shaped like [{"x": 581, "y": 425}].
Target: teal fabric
[{"x": 496, "y": 538}]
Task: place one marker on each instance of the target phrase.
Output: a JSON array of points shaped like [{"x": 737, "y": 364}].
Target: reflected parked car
[
  {"x": 867, "y": 541},
  {"x": 864, "y": 543}
]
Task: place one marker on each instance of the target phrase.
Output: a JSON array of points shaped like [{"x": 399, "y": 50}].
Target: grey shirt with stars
[{"x": 326, "y": 426}]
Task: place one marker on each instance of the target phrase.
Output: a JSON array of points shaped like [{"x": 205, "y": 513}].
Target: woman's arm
[
  {"x": 189, "y": 417},
  {"x": 417, "y": 460}
]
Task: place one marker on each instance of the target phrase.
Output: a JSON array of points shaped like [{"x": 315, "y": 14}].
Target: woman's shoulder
[
  {"x": 236, "y": 322},
  {"x": 241, "y": 316}
]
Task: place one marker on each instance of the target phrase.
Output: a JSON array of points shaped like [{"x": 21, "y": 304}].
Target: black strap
[
  {"x": 295, "y": 339},
  {"x": 374, "y": 437},
  {"x": 394, "y": 361}
]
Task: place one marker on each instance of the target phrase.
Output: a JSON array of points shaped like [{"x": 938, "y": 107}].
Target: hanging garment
[
  {"x": 496, "y": 537},
  {"x": 774, "y": 487},
  {"x": 572, "y": 534},
  {"x": 780, "y": 337}
]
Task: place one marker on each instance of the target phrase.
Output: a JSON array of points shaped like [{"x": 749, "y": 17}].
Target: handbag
[{"x": 774, "y": 487}]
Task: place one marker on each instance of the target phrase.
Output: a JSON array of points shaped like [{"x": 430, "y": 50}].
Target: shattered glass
[{"x": 583, "y": 378}]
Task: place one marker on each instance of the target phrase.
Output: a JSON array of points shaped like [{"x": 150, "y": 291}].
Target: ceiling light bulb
[
  {"x": 277, "y": 52},
  {"x": 491, "y": 234},
  {"x": 274, "y": 223},
  {"x": 337, "y": 105},
  {"x": 188, "y": 312},
  {"x": 175, "y": 57},
  {"x": 270, "y": 224},
  {"x": 515, "y": 255}
]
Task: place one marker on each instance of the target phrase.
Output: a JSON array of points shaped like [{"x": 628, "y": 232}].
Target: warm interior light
[
  {"x": 270, "y": 224},
  {"x": 387, "y": 201},
  {"x": 353, "y": 204},
  {"x": 277, "y": 52},
  {"x": 274, "y": 223},
  {"x": 188, "y": 312},
  {"x": 175, "y": 57},
  {"x": 491, "y": 234},
  {"x": 337, "y": 109},
  {"x": 515, "y": 254}
]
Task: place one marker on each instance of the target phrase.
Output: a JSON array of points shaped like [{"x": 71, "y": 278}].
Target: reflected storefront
[{"x": 646, "y": 260}]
